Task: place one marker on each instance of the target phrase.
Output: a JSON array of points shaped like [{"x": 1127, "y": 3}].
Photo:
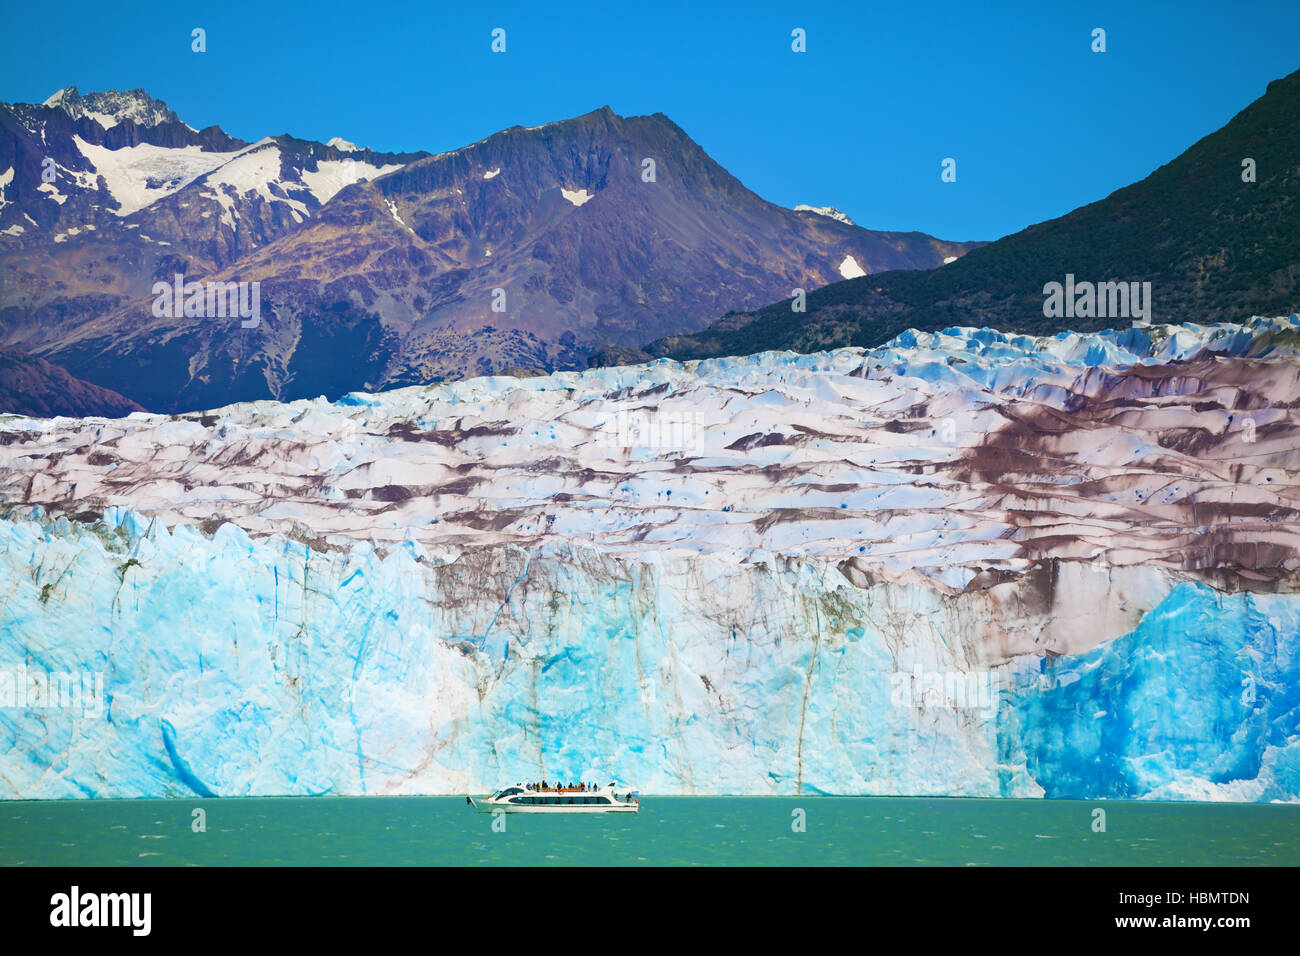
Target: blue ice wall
[
  {"x": 1201, "y": 701},
  {"x": 240, "y": 666}
]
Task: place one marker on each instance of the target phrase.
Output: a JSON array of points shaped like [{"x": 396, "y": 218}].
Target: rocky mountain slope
[
  {"x": 522, "y": 252},
  {"x": 36, "y": 387},
  {"x": 1216, "y": 232}
]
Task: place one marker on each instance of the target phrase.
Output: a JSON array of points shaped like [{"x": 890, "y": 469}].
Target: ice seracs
[
  {"x": 768, "y": 575},
  {"x": 901, "y": 455}
]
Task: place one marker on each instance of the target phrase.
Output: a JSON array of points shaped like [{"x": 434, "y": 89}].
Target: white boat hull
[
  {"x": 549, "y": 801},
  {"x": 487, "y": 807}
]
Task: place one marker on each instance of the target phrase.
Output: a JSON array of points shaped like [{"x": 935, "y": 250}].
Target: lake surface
[{"x": 689, "y": 831}]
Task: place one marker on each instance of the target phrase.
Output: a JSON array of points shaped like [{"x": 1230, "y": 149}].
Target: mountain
[
  {"x": 122, "y": 165},
  {"x": 1213, "y": 247},
  {"x": 381, "y": 269},
  {"x": 34, "y": 387},
  {"x": 111, "y": 107},
  {"x": 102, "y": 195},
  {"x": 968, "y": 563},
  {"x": 829, "y": 211}
]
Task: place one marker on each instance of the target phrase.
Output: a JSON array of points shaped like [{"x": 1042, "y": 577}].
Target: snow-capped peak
[
  {"x": 342, "y": 145},
  {"x": 111, "y": 107},
  {"x": 830, "y": 212},
  {"x": 57, "y": 98}
]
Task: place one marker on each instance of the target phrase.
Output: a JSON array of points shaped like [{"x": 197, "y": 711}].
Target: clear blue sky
[{"x": 1037, "y": 122}]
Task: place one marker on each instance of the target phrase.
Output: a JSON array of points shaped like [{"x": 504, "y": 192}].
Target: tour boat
[{"x": 533, "y": 798}]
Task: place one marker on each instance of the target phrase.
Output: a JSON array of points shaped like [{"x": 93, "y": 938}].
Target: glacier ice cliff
[{"x": 965, "y": 563}]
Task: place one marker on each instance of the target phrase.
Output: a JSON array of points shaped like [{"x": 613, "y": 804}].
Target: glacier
[{"x": 965, "y": 563}]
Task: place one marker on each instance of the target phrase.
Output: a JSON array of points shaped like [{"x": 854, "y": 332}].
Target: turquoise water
[{"x": 692, "y": 831}]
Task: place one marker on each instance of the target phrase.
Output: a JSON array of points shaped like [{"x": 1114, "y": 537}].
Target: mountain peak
[
  {"x": 57, "y": 99},
  {"x": 830, "y": 212},
  {"x": 1218, "y": 247},
  {"x": 562, "y": 218},
  {"x": 604, "y": 115},
  {"x": 110, "y": 107}
]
